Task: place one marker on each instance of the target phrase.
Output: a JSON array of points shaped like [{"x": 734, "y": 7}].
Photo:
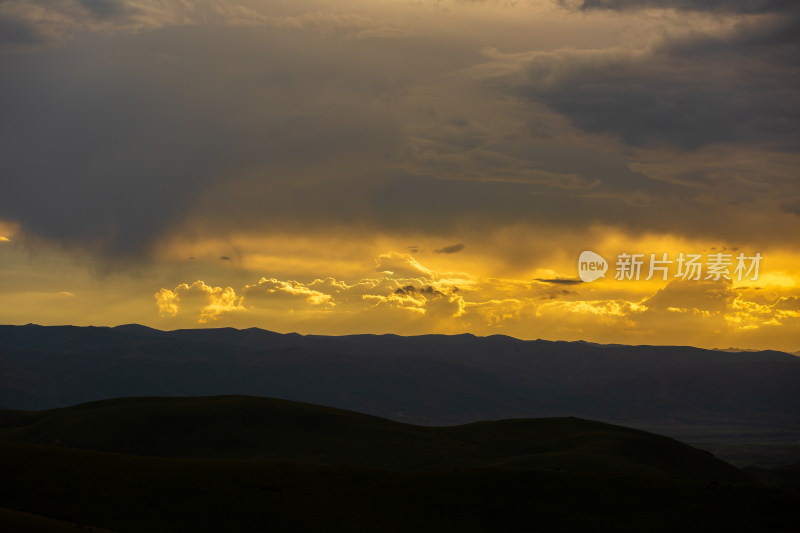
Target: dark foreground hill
[
  {"x": 743, "y": 406},
  {"x": 265, "y": 429},
  {"x": 255, "y": 464}
]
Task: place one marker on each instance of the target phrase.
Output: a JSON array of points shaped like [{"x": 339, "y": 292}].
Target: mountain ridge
[{"x": 703, "y": 397}]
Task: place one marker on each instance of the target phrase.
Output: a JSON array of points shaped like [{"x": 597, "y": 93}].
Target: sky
[{"x": 404, "y": 167}]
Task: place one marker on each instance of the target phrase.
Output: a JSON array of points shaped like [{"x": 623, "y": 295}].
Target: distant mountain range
[{"x": 741, "y": 405}]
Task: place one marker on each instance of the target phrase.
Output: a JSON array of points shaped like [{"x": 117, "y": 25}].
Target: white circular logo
[{"x": 591, "y": 266}]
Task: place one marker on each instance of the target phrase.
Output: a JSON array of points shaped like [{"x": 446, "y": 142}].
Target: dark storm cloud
[
  {"x": 687, "y": 92},
  {"x": 54, "y": 21},
  {"x": 115, "y": 140},
  {"x": 736, "y": 6},
  {"x": 14, "y": 32},
  {"x": 428, "y": 291},
  {"x": 560, "y": 281},
  {"x": 101, "y": 157},
  {"x": 118, "y": 140},
  {"x": 105, "y": 8},
  {"x": 452, "y": 249},
  {"x": 792, "y": 206},
  {"x": 106, "y": 145},
  {"x": 112, "y": 141}
]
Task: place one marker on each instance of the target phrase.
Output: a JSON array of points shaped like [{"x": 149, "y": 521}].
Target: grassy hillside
[
  {"x": 144, "y": 494},
  {"x": 20, "y": 522},
  {"x": 238, "y": 427},
  {"x": 253, "y": 464}
]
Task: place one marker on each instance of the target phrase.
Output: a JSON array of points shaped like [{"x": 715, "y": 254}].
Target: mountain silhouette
[{"x": 714, "y": 399}]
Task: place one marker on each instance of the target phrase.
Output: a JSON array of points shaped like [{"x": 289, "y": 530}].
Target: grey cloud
[
  {"x": 426, "y": 291},
  {"x": 766, "y": 42},
  {"x": 736, "y": 6},
  {"x": 560, "y": 281},
  {"x": 58, "y": 21},
  {"x": 115, "y": 140},
  {"x": 16, "y": 32},
  {"x": 55, "y": 21},
  {"x": 107, "y": 155},
  {"x": 684, "y": 92},
  {"x": 791, "y": 206},
  {"x": 459, "y": 149},
  {"x": 452, "y": 249},
  {"x": 105, "y": 8}
]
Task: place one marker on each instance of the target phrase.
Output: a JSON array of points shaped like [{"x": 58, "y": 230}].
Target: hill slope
[
  {"x": 253, "y": 464},
  {"x": 235, "y": 427}
]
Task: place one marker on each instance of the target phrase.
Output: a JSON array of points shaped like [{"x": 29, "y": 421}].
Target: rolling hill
[
  {"x": 234, "y": 463},
  {"x": 265, "y": 429}
]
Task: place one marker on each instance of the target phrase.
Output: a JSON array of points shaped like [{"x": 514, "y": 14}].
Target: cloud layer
[
  {"x": 414, "y": 300},
  {"x": 136, "y": 120},
  {"x": 249, "y": 144}
]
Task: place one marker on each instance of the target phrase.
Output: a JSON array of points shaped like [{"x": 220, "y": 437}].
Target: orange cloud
[{"x": 204, "y": 301}]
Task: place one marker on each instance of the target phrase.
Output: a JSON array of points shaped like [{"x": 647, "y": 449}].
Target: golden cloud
[
  {"x": 410, "y": 297},
  {"x": 206, "y": 301}
]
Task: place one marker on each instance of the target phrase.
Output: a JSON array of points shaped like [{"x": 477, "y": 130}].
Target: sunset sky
[{"x": 403, "y": 167}]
